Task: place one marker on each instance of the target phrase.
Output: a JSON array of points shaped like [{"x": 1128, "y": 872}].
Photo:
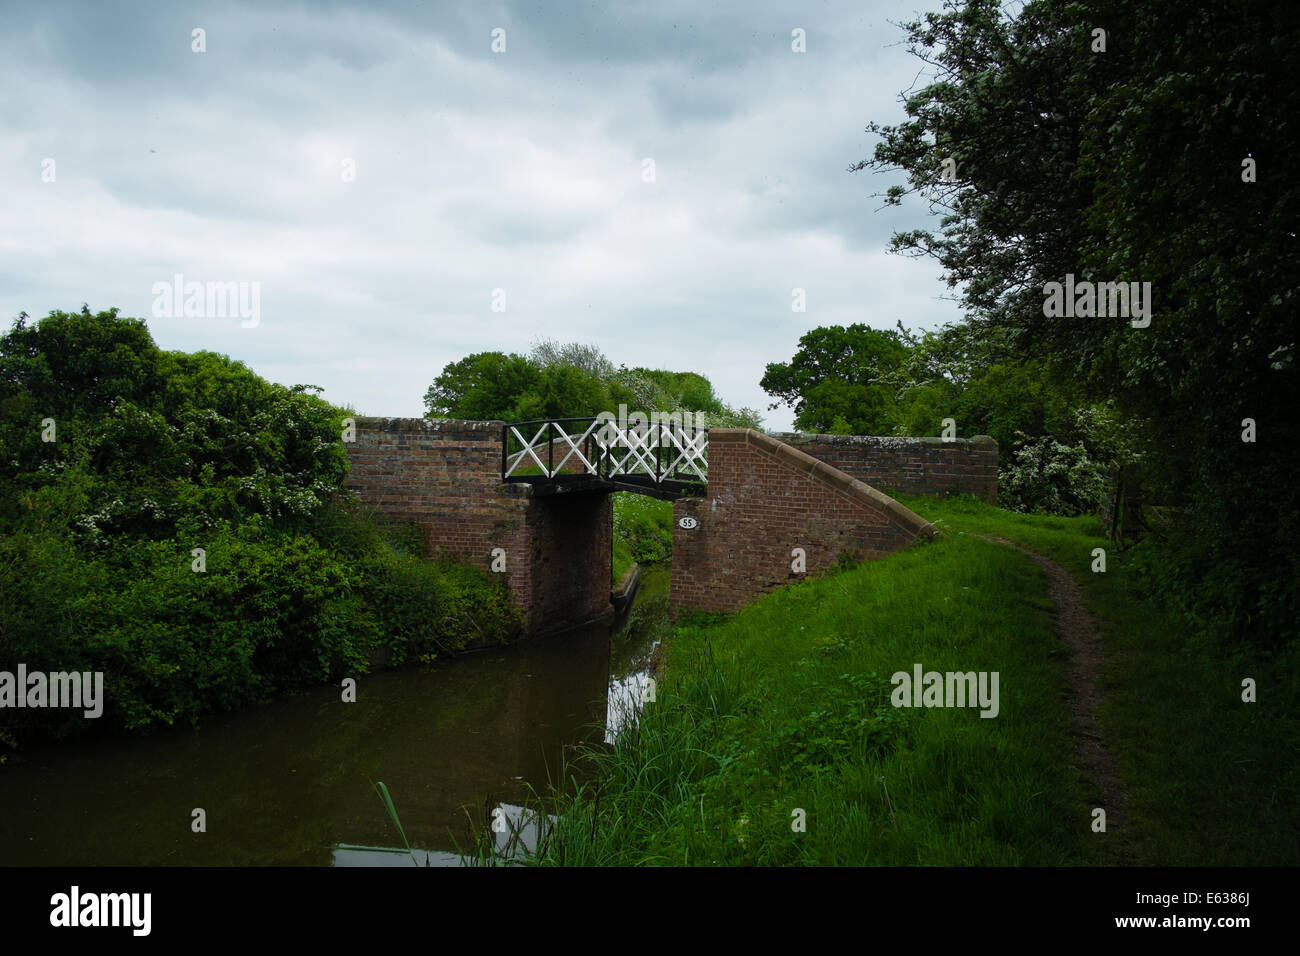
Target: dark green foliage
[
  {"x": 569, "y": 381},
  {"x": 646, "y": 524},
  {"x": 562, "y": 391},
  {"x": 1127, "y": 166},
  {"x": 853, "y": 720},
  {"x": 837, "y": 380},
  {"x": 1058, "y": 453},
  {"x": 157, "y": 454}
]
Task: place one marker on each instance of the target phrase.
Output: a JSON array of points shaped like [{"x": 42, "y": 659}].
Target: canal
[{"x": 291, "y": 781}]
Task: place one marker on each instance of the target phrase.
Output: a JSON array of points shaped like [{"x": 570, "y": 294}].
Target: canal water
[{"x": 291, "y": 782}]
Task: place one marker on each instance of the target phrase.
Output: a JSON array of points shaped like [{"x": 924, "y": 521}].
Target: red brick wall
[
  {"x": 766, "y": 498},
  {"x": 911, "y": 466},
  {"x": 445, "y": 475},
  {"x": 570, "y": 540}
]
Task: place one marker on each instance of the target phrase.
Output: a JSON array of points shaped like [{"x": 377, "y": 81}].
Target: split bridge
[{"x": 532, "y": 499}]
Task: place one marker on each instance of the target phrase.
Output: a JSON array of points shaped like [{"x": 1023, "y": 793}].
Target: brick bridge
[{"x": 734, "y": 534}]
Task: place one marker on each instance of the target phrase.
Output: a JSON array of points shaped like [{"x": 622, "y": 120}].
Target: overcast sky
[{"x": 522, "y": 171}]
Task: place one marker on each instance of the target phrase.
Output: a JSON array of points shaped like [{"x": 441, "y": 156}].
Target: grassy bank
[
  {"x": 785, "y": 707},
  {"x": 1211, "y": 780},
  {"x": 643, "y": 531}
]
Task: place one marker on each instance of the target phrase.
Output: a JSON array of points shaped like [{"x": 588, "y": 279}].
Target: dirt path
[{"x": 1083, "y": 671}]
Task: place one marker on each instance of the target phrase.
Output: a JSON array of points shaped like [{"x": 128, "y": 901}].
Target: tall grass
[
  {"x": 783, "y": 712},
  {"x": 392, "y": 812},
  {"x": 785, "y": 707}
]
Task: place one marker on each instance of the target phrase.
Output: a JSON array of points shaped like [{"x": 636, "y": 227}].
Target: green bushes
[
  {"x": 271, "y": 611},
  {"x": 186, "y": 535},
  {"x": 1045, "y": 475}
]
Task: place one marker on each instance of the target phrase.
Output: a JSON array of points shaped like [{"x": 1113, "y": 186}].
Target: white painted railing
[{"x": 660, "y": 452}]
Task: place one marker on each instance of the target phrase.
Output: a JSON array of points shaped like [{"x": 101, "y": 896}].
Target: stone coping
[
  {"x": 425, "y": 425},
  {"x": 626, "y": 589},
  {"x": 886, "y": 441}
]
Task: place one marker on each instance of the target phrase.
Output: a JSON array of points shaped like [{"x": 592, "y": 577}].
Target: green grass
[
  {"x": 1210, "y": 780},
  {"x": 786, "y": 706},
  {"x": 382, "y": 790},
  {"x": 643, "y": 531},
  {"x": 622, "y": 559}
]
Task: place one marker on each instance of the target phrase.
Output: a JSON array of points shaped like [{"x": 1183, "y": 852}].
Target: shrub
[
  {"x": 1045, "y": 475},
  {"x": 158, "y": 454}
]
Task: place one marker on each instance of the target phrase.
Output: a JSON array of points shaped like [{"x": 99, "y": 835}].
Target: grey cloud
[{"x": 475, "y": 171}]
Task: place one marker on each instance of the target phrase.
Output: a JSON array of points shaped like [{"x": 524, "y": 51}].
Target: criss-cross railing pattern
[{"x": 662, "y": 454}]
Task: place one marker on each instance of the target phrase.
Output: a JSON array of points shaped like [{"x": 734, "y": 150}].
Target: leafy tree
[
  {"x": 481, "y": 387},
  {"x": 562, "y": 391},
  {"x": 1133, "y": 165},
  {"x": 688, "y": 390},
  {"x": 568, "y": 381},
  {"x": 839, "y": 373},
  {"x": 1209, "y": 90}
]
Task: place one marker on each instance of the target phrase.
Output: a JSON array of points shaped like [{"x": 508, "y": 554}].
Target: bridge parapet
[
  {"x": 460, "y": 481},
  {"x": 766, "y": 499},
  {"x": 911, "y": 466}
]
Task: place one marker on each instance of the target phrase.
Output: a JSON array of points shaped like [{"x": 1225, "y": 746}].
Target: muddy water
[{"x": 291, "y": 781}]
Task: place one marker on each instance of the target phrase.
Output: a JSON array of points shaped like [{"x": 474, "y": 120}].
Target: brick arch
[{"x": 445, "y": 475}]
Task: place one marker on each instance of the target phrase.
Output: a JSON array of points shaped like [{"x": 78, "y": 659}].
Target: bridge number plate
[{"x": 688, "y": 523}]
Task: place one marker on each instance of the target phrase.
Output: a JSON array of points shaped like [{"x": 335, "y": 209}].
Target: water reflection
[
  {"x": 291, "y": 781},
  {"x": 388, "y": 856},
  {"x": 625, "y": 699}
]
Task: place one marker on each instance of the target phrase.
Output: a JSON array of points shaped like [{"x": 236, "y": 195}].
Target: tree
[
  {"x": 840, "y": 373},
  {"x": 481, "y": 387},
  {"x": 160, "y": 459},
  {"x": 562, "y": 391},
  {"x": 568, "y": 381},
  {"x": 1142, "y": 163},
  {"x": 588, "y": 358}
]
